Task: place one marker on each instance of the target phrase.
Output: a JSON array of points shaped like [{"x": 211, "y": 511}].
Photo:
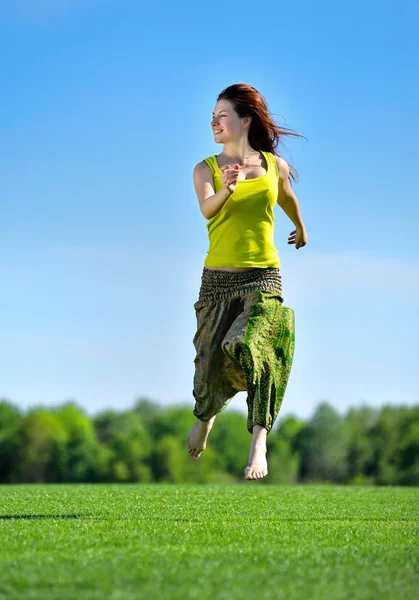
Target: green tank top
[{"x": 241, "y": 234}]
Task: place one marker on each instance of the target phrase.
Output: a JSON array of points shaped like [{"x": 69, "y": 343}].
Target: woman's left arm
[{"x": 287, "y": 200}]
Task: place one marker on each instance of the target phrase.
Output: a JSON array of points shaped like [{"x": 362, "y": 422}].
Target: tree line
[{"x": 373, "y": 446}]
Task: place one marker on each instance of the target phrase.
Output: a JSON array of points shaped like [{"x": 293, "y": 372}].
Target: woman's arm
[
  {"x": 210, "y": 202},
  {"x": 287, "y": 200}
]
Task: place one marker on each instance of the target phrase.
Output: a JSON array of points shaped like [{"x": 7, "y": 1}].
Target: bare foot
[
  {"x": 258, "y": 465},
  {"x": 197, "y": 437}
]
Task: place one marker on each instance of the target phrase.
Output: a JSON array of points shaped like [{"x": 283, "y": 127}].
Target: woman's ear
[{"x": 247, "y": 121}]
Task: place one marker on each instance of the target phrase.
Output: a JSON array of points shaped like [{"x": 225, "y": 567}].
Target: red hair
[{"x": 264, "y": 133}]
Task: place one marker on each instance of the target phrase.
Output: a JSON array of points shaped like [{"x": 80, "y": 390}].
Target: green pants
[{"x": 244, "y": 342}]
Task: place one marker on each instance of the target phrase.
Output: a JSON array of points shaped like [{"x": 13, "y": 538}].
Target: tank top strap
[
  {"x": 271, "y": 159},
  {"x": 212, "y": 165}
]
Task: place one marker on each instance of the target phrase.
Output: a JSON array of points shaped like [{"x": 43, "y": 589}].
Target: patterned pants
[{"x": 244, "y": 342}]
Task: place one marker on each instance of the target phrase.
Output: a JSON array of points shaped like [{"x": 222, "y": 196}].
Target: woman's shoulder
[
  {"x": 283, "y": 167},
  {"x": 205, "y": 165},
  {"x": 204, "y": 169}
]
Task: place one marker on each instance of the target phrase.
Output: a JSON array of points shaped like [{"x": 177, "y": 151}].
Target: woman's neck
[{"x": 238, "y": 152}]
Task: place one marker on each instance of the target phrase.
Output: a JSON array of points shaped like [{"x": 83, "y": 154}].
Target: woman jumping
[{"x": 245, "y": 336}]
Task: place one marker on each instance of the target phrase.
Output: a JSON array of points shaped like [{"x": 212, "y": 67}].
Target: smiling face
[{"x": 226, "y": 123}]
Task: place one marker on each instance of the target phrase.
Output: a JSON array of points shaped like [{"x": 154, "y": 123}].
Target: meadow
[{"x": 208, "y": 541}]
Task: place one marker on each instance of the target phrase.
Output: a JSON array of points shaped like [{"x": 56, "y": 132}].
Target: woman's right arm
[{"x": 210, "y": 202}]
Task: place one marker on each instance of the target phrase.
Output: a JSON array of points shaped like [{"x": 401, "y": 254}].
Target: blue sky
[{"x": 105, "y": 108}]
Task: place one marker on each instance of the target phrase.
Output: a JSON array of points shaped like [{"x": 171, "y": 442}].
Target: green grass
[{"x": 245, "y": 541}]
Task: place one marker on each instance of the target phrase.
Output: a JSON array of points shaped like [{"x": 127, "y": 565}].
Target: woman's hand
[
  {"x": 299, "y": 237},
  {"x": 230, "y": 176}
]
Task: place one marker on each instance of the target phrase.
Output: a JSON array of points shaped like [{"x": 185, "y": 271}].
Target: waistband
[{"x": 218, "y": 285}]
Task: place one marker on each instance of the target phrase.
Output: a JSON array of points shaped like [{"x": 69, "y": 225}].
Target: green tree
[
  {"x": 74, "y": 459},
  {"x": 171, "y": 462},
  {"x": 361, "y": 447},
  {"x": 230, "y": 440},
  {"x": 38, "y": 431},
  {"x": 283, "y": 456},
  {"x": 126, "y": 435},
  {"x": 409, "y": 448},
  {"x": 168, "y": 459},
  {"x": 174, "y": 420},
  {"x": 10, "y": 419},
  {"x": 323, "y": 444},
  {"x": 146, "y": 407},
  {"x": 391, "y": 438}
]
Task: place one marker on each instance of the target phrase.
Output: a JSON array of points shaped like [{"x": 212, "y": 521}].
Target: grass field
[{"x": 245, "y": 541}]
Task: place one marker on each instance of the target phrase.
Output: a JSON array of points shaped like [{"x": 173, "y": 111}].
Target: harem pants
[{"x": 244, "y": 342}]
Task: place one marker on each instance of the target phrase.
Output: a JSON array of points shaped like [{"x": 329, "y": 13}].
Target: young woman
[{"x": 245, "y": 336}]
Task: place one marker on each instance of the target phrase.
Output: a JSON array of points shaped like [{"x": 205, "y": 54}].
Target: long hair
[{"x": 264, "y": 133}]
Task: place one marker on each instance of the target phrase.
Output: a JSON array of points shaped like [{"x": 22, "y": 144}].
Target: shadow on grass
[
  {"x": 268, "y": 519},
  {"x": 43, "y": 516},
  {"x": 104, "y": 518}
]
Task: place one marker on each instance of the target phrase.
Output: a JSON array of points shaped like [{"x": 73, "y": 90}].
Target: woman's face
[{"x": 226, "y": 123}]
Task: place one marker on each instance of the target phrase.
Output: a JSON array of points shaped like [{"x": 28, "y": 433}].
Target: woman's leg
[
  {"x": 257, "y": 466},
  {"x": 262, "y": 340},
  {"x": 197, "y": 437},
  {"x": 217, "y": 379}
]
